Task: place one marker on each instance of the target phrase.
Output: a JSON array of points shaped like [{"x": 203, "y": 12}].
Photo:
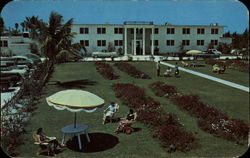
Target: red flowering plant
[
  {"x": 150, "y": 113},
  {"x": 237, "y": 64},
  {"x": 176, "y": 139},
  {"x": 211, "y": 119},
  {"x": 163, "y": 90},
  {"x": 213, "y": 62},
  {"x": 131, "y": 70},
  {"x": 106, "y": 70}
]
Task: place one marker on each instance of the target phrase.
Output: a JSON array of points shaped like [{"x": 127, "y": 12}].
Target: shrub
[
  {"x": 161, "y": 89},
  {"x": 176, "y": 139},
  {"x": 131, "y": 70},
  {"x": 106, "y": 70}
]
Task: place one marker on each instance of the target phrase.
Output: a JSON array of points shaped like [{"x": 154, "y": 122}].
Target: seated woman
[
  {"x": 42, "y": 139},
  {"x": 167, "y": 73},
  {"x": 110, "y": 111},
  {"x": 126, "y": 122}
]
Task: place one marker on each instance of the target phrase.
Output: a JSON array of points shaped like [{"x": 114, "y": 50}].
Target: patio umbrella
[
  {"x": 75, "y": 101},
  {"x": 190, "y": 52}
]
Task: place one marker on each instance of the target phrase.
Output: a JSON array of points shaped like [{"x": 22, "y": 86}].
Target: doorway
[{"x": 138, "y": 47}]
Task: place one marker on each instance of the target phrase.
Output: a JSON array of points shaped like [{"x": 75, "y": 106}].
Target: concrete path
[{"x": 228, "y": 83}]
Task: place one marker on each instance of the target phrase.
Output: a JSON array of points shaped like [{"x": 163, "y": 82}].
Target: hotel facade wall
[{"x": 161, "y": 36}]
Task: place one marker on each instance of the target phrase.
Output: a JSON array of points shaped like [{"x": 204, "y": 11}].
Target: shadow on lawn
[
  {"x": 98, "y": 142},
  {"x": 74, "y": 84}
]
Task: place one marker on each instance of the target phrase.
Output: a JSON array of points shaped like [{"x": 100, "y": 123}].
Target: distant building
[
  {"x": 136, "y": 38},
  {"x": 15, "y": 45}
]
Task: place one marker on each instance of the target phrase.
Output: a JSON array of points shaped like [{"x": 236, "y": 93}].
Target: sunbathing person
[
  {"x": 130, "y": 118},
  {"x": 167, "y": 73},
  {"x": 110, "y": 112},
  {"x": 43, "y": 139}
]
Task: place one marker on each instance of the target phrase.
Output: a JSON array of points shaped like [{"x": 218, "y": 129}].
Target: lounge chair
[
  {"x": 215, "y": 68},
  {"x": 127, "y": 128},
  {"x": 45, "y": 147},
  {"x": 109, "y": 116},
  {"x": 184, "y": 64}
]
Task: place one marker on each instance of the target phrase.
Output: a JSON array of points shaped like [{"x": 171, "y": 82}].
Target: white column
[
  {"x": 125, "y": 41},
  {"x": 143, "y": 41},
  {"x": 134, "y": 41},
  {"x": 152, "y": 39}
]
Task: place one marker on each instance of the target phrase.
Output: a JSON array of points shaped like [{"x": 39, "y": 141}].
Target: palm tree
[
  {"x": 53, "y": 36},
  {"x": 1, "y": 26}
]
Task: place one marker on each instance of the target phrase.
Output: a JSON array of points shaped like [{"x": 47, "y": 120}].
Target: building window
[
  {"x": 200, "y": 42},
  {"x": 186, "y": 31},
  {"x": 118, "y": 30},
  {"x": 4, "y": 43},
  {"x": 214, "y": 31},
  {"x": 156, "y": 31},
  {"x": 138, "y": 31},
  {"x": 84, "y": 30},
  {"x": 101, "y": 42},
  {"x": 84, "y": 43},
  {"x": 200, "y": 31},
  {"x": 214, "y": 42},
  {"x": 170, "y": 30},
  {"x": 118, "y": 42},
  {"x": 170, "y": 43},
  {"x": 186, "y": 42},
  {"x": 101, "y": 30},
  {"x": 156, "y": 42}
]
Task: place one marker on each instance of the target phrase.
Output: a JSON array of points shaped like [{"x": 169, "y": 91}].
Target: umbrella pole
[{"x": 75, "y": 121}]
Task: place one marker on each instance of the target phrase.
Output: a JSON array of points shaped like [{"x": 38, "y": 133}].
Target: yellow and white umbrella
[
  {"x": 190, "y": 52},
  {"x": 75, "y": 101}
]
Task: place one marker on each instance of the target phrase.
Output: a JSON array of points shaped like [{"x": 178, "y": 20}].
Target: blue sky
[{"x": 232, "y": 14}]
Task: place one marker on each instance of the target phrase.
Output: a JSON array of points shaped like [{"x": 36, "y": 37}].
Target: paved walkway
[{"x": 228, "y": 83}]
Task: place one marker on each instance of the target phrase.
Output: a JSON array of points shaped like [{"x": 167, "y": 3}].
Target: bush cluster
[
  {"x": 15, "y": 113},
  {"x": 150, "y": 113},
  {"x": 131, "y": 70},
  {"x": 234, "y": 64},
  {"x": 163, "y": 90},
  {"x": 106, "y": 70},
  {"x": 210, "y": 119}
]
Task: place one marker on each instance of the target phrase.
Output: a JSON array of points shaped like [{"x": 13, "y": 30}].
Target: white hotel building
[
  {"x": 136, "y": 38},
  {"x": 132, "y": 38}
]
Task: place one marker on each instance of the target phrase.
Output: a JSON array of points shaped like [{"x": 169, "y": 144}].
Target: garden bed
[
  {"x": 106, "y": 70},
  {"x": 210, "y": 119},
  {"x": 131, "y": 70},
  {"x": 165, "y": 125},
  {"x": 233, "y": 64}
]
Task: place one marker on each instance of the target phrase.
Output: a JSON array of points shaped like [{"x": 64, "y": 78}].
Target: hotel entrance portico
[{"x": 137, "y": 36}]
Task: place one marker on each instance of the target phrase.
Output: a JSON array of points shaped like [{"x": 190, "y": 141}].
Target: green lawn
[{"x": 141, "y": 143}]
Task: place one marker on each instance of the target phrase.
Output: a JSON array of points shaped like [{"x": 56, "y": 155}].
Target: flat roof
[{"x": 167, "y": 25}]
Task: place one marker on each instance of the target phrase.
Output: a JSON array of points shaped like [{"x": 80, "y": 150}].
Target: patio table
[{"x": 80, "y": 128}]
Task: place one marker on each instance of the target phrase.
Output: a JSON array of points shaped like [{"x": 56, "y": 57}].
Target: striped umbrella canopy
[
  {"x": 75, "y": 101},
  {"x": 190, "y": 52}
]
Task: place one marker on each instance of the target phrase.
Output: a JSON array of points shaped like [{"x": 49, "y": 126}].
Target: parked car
[
  {"x": 9, "y": 79},
  {"x": 215, "y": 51},
  {"x": 23, "y": 60},
  {"x": 209, "y": 54},
  {"x": 22, "y": 72},
  {"x": 35, "y": 58}
]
